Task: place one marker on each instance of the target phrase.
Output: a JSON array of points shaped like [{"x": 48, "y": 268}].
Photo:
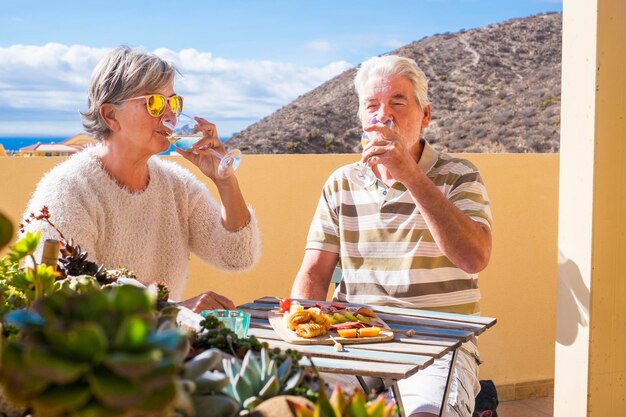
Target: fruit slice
[
  {"x": 364, "y": 332},
  {"x": 331, "y": 319},
  {"x": 340, "y": 318},
  {"x": 350, "y": 317},
  {"x": 361, "y": 317}
]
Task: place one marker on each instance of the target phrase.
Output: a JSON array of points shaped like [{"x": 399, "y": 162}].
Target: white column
[{"x": 590, "y": 363}]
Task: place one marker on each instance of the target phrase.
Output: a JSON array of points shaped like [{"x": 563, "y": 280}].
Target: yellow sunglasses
[{"x": 155, "y": 103}]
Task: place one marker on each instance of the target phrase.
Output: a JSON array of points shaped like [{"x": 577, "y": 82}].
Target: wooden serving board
[{"x": 278, "y": 324}]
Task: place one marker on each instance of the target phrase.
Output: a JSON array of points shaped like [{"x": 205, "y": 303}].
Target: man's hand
[
  {"x": 208, "y": 301},
  {"x": 397, "y": 154}
]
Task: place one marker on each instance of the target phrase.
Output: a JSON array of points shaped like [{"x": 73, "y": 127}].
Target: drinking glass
[
  {"x": 362, "y": 173},
  {"x": 184, "y": 135},
  {"x": 236, "y": 320}
]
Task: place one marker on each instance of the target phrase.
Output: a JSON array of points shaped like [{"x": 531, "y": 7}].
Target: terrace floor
[{"x": 531, "y": 407}]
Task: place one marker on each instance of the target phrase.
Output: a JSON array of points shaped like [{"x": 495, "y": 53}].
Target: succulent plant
[
  {"x": 201, "y": 388},
  {"x": 257, "y": 378},
  {"x": 93, "y": 353},
  {"x": 341, "y": 404},
  {"x": 34, "y": 281},
  {"x": 73, "y": 262}
]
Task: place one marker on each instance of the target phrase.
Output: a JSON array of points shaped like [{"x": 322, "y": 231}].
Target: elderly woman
[{"x": 128, "y": 208}]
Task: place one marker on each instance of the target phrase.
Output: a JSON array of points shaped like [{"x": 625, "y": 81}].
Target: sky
[{"x": 240, "y": 60}]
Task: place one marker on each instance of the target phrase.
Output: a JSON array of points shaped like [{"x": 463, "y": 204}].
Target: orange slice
[{"x": 364, "y": 332}]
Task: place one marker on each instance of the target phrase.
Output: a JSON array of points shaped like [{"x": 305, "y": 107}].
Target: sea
[{"x": 13, "y": 143}]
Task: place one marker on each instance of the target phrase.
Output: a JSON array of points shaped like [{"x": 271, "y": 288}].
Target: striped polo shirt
[{"x": 386, "y": 252}]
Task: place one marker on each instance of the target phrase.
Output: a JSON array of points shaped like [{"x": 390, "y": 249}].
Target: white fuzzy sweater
[{"x": 151, "y": 232}]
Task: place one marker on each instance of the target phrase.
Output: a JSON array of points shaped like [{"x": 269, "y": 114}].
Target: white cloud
[{"x": 35, "y": 78}]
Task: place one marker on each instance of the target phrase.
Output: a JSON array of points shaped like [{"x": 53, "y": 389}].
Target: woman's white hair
[
  {"x": 390, "y": 65},
  {"x": 122, "y": 73}
]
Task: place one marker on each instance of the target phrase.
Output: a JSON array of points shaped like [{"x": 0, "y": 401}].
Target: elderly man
[{"x": 415, "y": 238}]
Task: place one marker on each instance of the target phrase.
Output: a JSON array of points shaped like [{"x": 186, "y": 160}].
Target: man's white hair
[{"x": 390, "y": 65}]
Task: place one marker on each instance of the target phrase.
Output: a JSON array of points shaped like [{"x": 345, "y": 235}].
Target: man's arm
[
  {"x": 314, "y": 275},
  {"x": 467, "y": 243}
]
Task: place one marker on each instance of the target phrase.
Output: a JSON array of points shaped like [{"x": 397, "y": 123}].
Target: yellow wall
[{"x": 518, "y": 286}]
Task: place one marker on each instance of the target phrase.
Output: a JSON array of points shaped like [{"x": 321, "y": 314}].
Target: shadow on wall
[{"x": 572, "y": 300}]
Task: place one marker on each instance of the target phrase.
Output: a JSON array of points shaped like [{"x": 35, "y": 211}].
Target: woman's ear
[
  {"x": 108, "y": 112},
  {"x": 426, "y": 119}
]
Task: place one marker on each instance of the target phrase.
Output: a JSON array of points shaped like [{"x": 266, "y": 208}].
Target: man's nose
[{"x": 384, "y": 115}]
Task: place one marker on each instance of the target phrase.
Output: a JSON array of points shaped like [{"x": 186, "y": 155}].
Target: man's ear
[
  {"x": 108, "y": 112},
  {"x": 426, "y": 119}
]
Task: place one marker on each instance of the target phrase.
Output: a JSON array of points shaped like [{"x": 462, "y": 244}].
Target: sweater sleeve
[{"x": 227, "y": 250}]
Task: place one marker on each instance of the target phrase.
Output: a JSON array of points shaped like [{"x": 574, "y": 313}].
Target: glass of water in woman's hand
[
  {"x": 362, "y": 173},
  {"x": 185, "y": 134}
]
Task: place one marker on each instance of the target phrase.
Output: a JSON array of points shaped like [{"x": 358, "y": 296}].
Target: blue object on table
[{"x": 236, "y": 320}]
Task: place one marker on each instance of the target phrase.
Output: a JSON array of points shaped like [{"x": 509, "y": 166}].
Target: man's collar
[{"x": 429, "y": 157}]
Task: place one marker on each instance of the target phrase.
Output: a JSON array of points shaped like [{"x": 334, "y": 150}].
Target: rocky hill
[{"x": 493, "y": 89}]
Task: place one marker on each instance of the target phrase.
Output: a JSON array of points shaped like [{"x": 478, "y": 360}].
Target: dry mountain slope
[{"x": 493, "y": 89}]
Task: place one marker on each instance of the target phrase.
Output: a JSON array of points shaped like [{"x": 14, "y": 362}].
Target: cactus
[
  {"x": 258, "y": 378},
  {"x": 94, "y": 353},
  {"x": 341, "y": 404}
]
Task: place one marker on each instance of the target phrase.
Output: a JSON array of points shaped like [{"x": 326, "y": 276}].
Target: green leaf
[
  {"x": 161, "y": 375},
  {"x": 323, "y": 408},
  {"x": 293, "y": 382},
  {"x": 19, "y": 384},
  {"x": 128, "y": 299},
  {"x": 52, "y": 368},
  {"x": 95, "y": 409},
  {"x": 132, "y": 365},
  {"x": 45, "y": 275},
  {"x": 299, "y": 410},
  {"x": 376, "y": 408},
  {"x": 159, "y": 400},
  {"x": 25, "y": 246},
  {"x": 204, "y": 361},
  {"x": 59, "y": 399},
  {"x": 210, "y": 382},
  {"x": 284, "y": 369},
  {"x": 83, "y": 342},
  {"x": 357, "y": 408},
  {"x": 338, "y": 400},
  {"x": 131, "y": 334},
  {"x": 113, "y": 391},
  {"x": 214, "y": 406},
  {"x": 250, "y": 370},
  {"x": 250, "y": 403},
  {"x": 271, "y": 388},
  {"x": 242, "y": 388},
  {"x": 92, "y": 305}
]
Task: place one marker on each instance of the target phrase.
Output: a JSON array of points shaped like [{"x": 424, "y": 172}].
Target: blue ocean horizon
[{"x": 15, "y": 143}]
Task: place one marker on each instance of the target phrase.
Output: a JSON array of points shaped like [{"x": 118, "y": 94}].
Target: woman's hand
[
  {"x": 208, "y": 301},
  {"x": 201, "y": 153}
]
